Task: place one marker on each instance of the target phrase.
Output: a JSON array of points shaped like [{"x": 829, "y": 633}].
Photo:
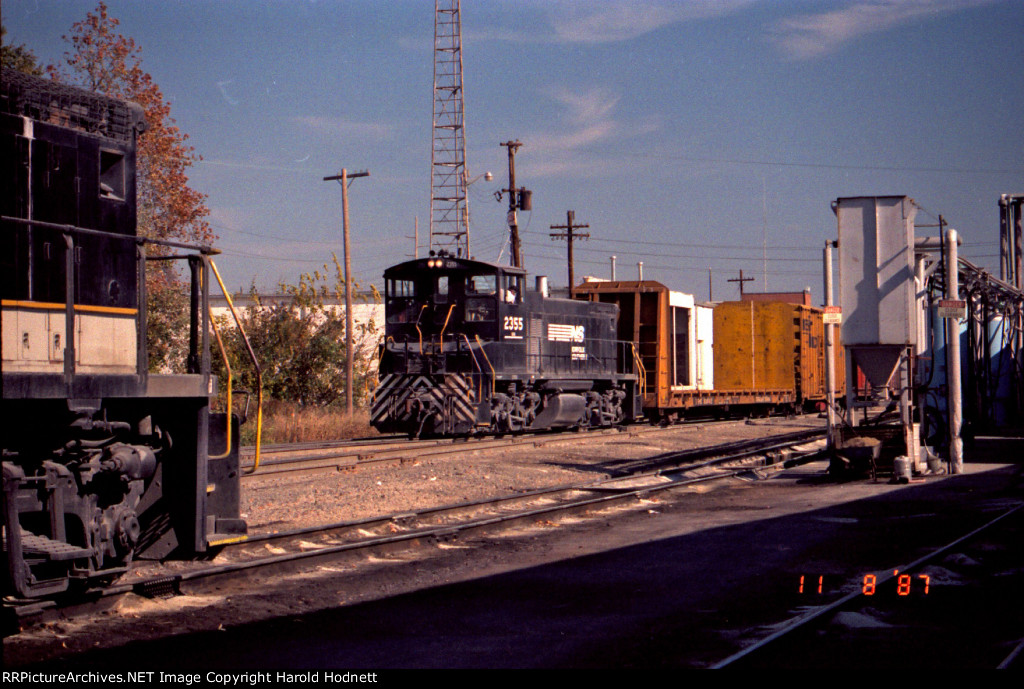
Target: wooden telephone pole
[
  {"x": 343, "y": 180},
  {"x": 518, "y": 199},
  {"x": 569, "y": 235},
  {"x": 741, "y": 280}
]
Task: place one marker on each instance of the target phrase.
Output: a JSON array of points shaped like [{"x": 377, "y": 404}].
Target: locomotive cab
[{"x": 429, "y": 298}]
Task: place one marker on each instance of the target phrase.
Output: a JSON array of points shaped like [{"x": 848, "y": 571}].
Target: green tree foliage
[
  {"x": 300, "y": 344},
  {"x": 17, "y": 57},
  {"x": 102, "y": 60},
  {"x": 167, "y": 307}
]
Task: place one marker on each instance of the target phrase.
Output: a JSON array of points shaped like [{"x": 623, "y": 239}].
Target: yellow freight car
[
  {"x": 773, "y": 345},
  {"x": 750, "y": 356}
]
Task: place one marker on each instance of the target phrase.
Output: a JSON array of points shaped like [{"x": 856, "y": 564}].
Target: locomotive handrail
[
  {"x": 493, "y": 375},
  {"x": 381, "y": 359},
  {"x": 201, "y": 248},
  {"x": 469, "y": 346},
  {"x": 440, "y": 338},
  {"x": 640, "y": 369},
  {"x": 256, "y": 365},
  {"x": 69, "y": 309},
  {"x": 197, "y": 362},
  {"x": 227, "y": 365},
  {"x": 418, "y": 331}
]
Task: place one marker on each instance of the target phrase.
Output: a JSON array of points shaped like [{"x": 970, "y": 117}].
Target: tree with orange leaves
[{"x": 103, "y": 60}]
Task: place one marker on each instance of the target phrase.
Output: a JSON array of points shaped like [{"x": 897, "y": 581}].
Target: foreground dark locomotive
[
  {"x": 467, "y": 349},
  {"x": 102, "y": 461}
]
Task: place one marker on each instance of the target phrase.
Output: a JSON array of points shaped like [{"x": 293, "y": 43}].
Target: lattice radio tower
[{"x": 449, "y": 204}]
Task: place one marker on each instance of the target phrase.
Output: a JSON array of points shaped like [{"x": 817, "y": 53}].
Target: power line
[
  {"x": 675, "y": 268},
  {"x": 661, "y": 254},
  {"x": 828, "y": 166},
  {"x": 699, "y": 246}
]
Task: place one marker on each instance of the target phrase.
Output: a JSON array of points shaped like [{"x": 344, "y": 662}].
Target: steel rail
[
  {"x": 404, "y": 452},
  {"x": 658, "y": 468},
  {"x": 882, "y": 577},
  {"x": 442, "y": 531},
  {"x": 608, "y": 495},
  {"x": 412, "y": 450}
]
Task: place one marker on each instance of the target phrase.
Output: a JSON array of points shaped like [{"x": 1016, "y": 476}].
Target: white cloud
[
  {"x": 580, "y": 138},
  {"x": 586, "y": 120},
  {"x": 812, "y": 35},
  {"x": 606, "y": 22},
  {"x": 595, "y": 105},
  {"x": 588, "y": 21}
]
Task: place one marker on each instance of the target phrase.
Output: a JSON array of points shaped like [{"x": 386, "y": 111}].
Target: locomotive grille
[
  {"x": 48, "y": 101},
  {"x": 533, "y": 343}
]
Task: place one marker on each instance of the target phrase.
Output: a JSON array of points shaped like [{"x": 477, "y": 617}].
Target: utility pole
[
  {"x": 343, "y": 180},
  {"x": 741, "y": 280},
  {"x": 569, "y": 235},
  {"x": 764, "y": 233},
  {"x": 518, "y": 199}
]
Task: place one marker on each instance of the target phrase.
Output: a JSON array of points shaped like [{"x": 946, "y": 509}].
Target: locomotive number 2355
[{"x": 513, "y": 322}]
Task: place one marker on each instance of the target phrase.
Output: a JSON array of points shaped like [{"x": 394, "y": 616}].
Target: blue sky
[{"x": 688, "y": 134}]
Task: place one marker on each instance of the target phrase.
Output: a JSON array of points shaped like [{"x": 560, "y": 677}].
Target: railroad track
[
  {"x": 398, "y": 450},
  {"x": 273, "y": 553},
  {"x": 902, "y": 615}
]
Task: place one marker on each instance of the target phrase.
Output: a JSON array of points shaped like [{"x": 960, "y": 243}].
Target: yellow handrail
[
  {"x": 420, "y": 332},
  {"x": 440, "y": 339},
  {"x": 255, "y": 363},
  {"x": 640, "y": 367},
  {"x": 373, "y": 393},
  {"x": 481, "y": 344},
  {"x": 479, "y": 392},
  {"x": 227, "y": 365}
]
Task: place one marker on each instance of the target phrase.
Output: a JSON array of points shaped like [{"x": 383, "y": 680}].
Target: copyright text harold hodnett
[{"x": 223, "y": 679}]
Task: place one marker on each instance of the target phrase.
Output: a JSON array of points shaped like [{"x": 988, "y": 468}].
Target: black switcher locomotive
[{"x": 469, "y": 350}]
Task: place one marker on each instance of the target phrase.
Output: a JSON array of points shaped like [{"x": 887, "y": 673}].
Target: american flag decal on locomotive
[{"x": 566, "y": 333}]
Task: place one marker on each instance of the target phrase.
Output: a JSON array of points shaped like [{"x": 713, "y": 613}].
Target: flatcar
[
  {"x": 103, "y": 461},
  {"x": 468, "y": 349}
]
